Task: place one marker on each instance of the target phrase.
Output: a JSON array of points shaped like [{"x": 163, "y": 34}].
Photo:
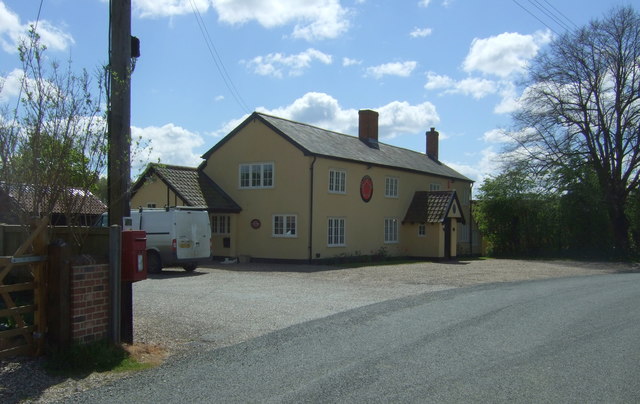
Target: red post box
[{"x": 134, "y": 255}]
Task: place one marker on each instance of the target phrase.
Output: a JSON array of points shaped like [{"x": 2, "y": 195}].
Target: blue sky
[{"x": 206, "y": 64}]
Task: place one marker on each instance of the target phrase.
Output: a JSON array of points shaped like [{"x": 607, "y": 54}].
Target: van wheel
[
  {"x": 154, "y": 265},
  {"x": 189, "y": 267}
]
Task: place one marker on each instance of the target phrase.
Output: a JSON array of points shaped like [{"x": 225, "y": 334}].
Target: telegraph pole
[{"x": 119, "y": 121}]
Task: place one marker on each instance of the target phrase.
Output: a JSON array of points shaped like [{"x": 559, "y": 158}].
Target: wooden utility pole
[{"x": 119, "y": 120}]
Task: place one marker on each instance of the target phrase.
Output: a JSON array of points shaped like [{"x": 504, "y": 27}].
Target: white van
[{"x": 177, "y": 236}]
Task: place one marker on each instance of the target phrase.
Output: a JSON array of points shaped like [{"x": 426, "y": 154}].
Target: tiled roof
[
  {"x": 321, "y": 142},
  {"x": 191, "y": 185},
  {"x": 76, "y": 200},
  {"x": 430, "y": 206}
]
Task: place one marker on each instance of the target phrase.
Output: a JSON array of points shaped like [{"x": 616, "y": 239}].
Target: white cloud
[
  {"x": 488, "y": 164},
  {"x": 10, "y": 85},
  {"x": 274, "y": 64},
  {"x": 505, "y": 54},
  {"x": 14, "y": 82},
  {"x": 322, "y": 110},
  {"x": 420, "y": 32},
  {"x": 162, "y": 146},
  {"x": 475, "y": 87},
  {"x": 54, "y": 37},
  {"x": 438, "y": 81},
  {"x": 496, "y": 136},
  {"x": 350, "y": 62},
  {"x": 12, "y": 31},
  {"x": 510, "y": 101},
  {"x": 314, "y": 20},
  {"x": 167, "y": 8},
  {"x": 424, "y": 3},
  {"x": 400, "y": 118},
  {"x": 401, "y": 69},
  {"x": 317, "y": 109}
]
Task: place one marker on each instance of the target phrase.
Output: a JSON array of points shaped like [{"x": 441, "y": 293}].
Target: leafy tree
[
  {"x": 55, "y": 138},
  {"x": 516, "y": 215},
  {"x": 633, "y": 212},
  {"x": 582, "y": 109},
  {"x": 102, "y": 191},
  {"x": 584, "y": 222}
]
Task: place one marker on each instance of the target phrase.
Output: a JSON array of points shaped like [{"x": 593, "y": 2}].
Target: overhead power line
[
  {"x": 548, "y": 15},
  {"x": 217, "y": 60},
  {"x": 38, "y": 17},
  {"x": 561, "y": 14},
  {"x": 536, "y": 17}
]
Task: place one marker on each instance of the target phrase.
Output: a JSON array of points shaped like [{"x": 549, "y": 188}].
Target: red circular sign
[{"x": 366, "y": 188}]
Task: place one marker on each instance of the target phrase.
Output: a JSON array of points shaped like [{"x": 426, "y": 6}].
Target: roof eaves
[
  {"x": 231, "y": 134},
  {"x": 233, "y": 209},
  {"x": 156, "y": 168},
  {"x": 303, "y": 149},
  {"x": 141, "y": 178}
]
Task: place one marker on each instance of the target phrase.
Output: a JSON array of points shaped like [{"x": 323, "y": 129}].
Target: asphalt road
[{"x": 558, "y": 340}]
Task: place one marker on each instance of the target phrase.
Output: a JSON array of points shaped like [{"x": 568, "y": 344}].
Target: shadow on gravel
[
  {"x": 260, "y": 267},
  {"x": 24, "y": 379},
  {"x": 170, "y": 273},
  {"x": 452, "y": 262},
  {"x": 311, "y": 268}
]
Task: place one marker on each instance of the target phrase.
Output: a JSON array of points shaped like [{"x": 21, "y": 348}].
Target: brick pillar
[{"x": 90, "y": 303}]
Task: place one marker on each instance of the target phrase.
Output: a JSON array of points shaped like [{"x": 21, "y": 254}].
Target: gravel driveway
[{"x": 226, "y": 304}]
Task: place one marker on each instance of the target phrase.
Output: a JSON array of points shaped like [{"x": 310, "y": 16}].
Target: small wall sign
[
  {"x": 255, "y": 224},
  {"x": 366, "y": 188}
]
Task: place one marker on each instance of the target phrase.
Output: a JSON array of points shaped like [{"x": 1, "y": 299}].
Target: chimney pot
[{"x": 432, "y": 144}]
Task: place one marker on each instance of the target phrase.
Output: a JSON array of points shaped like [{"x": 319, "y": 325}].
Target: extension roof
[
  {"x": 28, "y": 197},
  {"x": 432, "y": 207},
  {"x": 192, "y": 186},
  {"x": 315, "y": 141}
]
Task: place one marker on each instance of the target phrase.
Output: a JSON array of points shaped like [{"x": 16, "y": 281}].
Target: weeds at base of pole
[{"x": 102, "y": 356}]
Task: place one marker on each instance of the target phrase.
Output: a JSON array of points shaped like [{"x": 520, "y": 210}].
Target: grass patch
[{"x": 101, "y": 356}]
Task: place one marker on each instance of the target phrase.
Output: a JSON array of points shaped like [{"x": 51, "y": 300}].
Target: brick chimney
[
  {"x": 432, "y": 144},
  {"x": 368, "y": 127}
]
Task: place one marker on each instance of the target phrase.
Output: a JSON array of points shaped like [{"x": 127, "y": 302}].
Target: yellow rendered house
[{"x": 283, "y": 190}]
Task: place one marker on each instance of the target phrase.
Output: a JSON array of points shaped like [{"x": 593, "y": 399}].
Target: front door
[{"x": 447, "y": 238}]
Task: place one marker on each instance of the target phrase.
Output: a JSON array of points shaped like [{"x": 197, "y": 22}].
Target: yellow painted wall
[
  {"x": 256, "y": 143},
  {"x": 217, "y": 240},
  {"x": 429, "y": 245},
  {"x": 154, "y": 190},
  {"x": 365, "y": 220}
]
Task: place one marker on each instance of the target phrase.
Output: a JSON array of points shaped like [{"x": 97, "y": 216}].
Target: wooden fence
[
  {"x": 92, "y": 241},
  {"x": 23, "y": 289}
]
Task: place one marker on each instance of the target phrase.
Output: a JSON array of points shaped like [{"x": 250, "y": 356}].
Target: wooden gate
[{"x": 22, "y": 308}]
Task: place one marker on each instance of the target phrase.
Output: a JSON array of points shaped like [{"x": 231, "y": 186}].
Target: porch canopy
[{"x": 434, "y": 207}]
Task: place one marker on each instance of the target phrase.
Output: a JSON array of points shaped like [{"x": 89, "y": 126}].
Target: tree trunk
[{"x": 619, "y": 222}]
